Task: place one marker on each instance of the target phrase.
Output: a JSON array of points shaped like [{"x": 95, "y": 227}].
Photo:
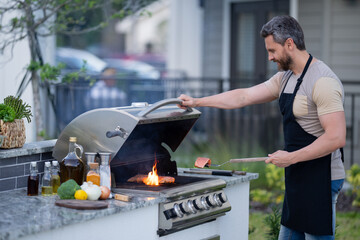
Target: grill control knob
[
  {"x": 204, "y": 203},
  {"x": 191, "y": 206},
  {"x": 184, "y": 208},
  {"x": 170, "y": 214},
  {"x": 222, "y": 197},
  {"x": 198, "y": 205},
  {"x": 177, "y": 210},
  {"x": 211, "y": 201}
]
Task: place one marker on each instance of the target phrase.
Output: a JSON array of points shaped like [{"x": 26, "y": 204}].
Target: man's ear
[{"x": 289, "y": 44}]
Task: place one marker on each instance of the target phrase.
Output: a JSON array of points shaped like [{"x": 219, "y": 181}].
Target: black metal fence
[{"x": 256, "y": 126}]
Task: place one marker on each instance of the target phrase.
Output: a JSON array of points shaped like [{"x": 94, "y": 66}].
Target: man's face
[{"x": 277, "y": 53}]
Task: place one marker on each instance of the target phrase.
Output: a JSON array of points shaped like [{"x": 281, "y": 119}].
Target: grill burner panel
[{"x": 189, "y": 201}]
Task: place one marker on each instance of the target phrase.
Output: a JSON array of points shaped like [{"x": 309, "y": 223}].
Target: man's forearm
[
  {"x": 226, "y": 100},
  {"x": 319, "y": 148},
  {"x": 237, "y": 98}
]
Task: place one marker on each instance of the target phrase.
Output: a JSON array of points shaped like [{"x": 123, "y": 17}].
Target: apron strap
[
  {"x": 342, "y": 154},
  {"x": 300, "y": 79}
]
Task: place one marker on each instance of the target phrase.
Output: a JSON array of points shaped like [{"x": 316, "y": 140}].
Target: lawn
[{"x": 348, "y": 226}]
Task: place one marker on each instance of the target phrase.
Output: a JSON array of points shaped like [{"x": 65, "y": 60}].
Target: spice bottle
[
  {"x": 93, "y": 175},
  {"x": 90, "y": 158},
  {"x": 33, "y": 181},
  {"x": 72, "y": 167},
  {"x": 105, "y": 173},
  {"x": 55, "y": 177},
  {"x": 46, "y": 186}
]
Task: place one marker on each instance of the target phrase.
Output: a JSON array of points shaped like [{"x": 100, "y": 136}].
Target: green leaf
[{"x": 7, "y": 113}]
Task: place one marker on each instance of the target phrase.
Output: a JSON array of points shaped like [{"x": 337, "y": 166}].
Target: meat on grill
[
  {"x": 202, "y": 162},
  {"x": 162, "y": 179}
]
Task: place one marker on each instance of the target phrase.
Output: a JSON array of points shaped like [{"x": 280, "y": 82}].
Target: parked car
[
  {"x": 133, "y": 68},
  {"x": 74, "y": 61}
]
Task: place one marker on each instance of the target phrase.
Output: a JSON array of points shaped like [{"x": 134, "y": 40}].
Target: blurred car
[
  {"x": 133, "y": 68},
  {"x": 74, "y": 61}
]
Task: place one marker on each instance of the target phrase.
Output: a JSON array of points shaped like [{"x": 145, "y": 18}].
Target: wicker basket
[{"x": 14, "y": 133}]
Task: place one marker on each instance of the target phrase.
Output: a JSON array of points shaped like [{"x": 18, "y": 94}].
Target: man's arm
[
  {"x": 334, "y": 138},
  {"x": 232, "y": 99}
]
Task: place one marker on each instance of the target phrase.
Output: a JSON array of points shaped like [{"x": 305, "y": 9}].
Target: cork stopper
[
  {"x": 72, "y": 139},
  {"x": 94, "y": 165}
]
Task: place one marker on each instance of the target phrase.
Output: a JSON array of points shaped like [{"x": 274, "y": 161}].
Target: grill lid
[{"x": 133, "y": 134}]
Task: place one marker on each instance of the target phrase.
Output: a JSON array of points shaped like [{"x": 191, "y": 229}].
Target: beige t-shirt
[{"x": 321, "y": 92}]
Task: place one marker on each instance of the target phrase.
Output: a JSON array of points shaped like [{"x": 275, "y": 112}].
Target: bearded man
[{"x": 311, "y": 101}]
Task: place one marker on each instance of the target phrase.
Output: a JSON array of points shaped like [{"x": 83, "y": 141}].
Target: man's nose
[{"x": 270, "y": 57}]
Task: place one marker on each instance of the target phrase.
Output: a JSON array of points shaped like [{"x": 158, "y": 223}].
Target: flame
[{"x": 153, "y": 178}]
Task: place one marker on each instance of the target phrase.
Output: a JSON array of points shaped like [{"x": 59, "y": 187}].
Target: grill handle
[
  {"x": 159, "y": 104},
  {"x": 118, "y": 132}
]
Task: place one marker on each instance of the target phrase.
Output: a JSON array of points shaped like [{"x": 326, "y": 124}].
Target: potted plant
[{"x": 12, "y": 126}]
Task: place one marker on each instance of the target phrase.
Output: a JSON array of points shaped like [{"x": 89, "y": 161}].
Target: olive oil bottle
[
  {"x": 72, "y": 167},
  {"x": 55, "y": 177},
  {"x": 46, "y": 187}
]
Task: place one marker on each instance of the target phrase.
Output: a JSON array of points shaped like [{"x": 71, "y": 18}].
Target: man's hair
[{"x": 282, "y": 28}]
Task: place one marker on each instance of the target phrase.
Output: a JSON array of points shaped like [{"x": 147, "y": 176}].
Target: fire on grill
[{"x": 152, "y": 178}]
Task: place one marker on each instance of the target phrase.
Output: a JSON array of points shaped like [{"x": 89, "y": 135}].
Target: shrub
[
  {"x": 273, "y": 190},
  {"x": 353, "y": 177},
  {"x": 273, "y": 222}
]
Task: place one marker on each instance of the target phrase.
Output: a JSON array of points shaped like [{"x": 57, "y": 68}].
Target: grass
[{"x": 348, "y": 226}]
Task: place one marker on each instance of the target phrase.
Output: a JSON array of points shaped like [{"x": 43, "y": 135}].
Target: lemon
[{"x": 80, "y": 195}]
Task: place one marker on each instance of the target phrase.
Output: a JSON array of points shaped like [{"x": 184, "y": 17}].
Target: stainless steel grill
[{"x": 139, "y": 135}]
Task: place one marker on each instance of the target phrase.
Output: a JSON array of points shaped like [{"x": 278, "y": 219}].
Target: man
[
  {"x": 311, "y": 101},
  {"x": 105, "y": 93}
]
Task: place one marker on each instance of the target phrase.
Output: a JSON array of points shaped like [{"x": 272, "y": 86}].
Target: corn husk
[{"x": 14, "y": 133}]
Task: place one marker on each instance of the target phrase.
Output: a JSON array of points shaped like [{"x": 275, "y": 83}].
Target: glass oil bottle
[
  {"x": 46, "y": 187},
  {"x": 55, "y": 177},
  {"x": 33, "y": 181},
  {"x": 105, "y": 173},
  {"x": 72, "y": 167}
]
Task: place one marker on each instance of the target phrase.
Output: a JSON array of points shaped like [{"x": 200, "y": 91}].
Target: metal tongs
[{"x": 240, "y": 160}]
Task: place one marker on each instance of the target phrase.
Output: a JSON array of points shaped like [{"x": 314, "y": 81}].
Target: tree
[{"x": 41, "y": 18}]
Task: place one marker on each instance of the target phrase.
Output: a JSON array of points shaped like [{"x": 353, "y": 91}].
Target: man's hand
[
  {"x": 280, "y": 158},
  {"x": 187, "y": 101}
]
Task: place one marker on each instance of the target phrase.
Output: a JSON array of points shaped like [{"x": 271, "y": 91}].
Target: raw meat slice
[{"x": 202, "y": 162}]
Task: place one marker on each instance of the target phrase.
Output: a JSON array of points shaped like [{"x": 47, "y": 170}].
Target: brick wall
[{"x": 15, "y": 163}]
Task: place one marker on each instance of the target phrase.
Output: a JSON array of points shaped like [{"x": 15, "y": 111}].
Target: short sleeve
[
  {"x": 273, "y": 84},
  {"x": 328, "y": 95}
]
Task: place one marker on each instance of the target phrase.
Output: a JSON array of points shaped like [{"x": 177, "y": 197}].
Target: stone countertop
[
  {"x": 28, "y": 149},
  {"x": 22, "y": 215}
]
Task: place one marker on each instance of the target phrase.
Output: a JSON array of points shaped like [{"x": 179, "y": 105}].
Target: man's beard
[{"x": 285, "y": 64}]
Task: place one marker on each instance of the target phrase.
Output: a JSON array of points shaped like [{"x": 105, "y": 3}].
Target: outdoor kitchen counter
[{"x": 24, "y": 216}]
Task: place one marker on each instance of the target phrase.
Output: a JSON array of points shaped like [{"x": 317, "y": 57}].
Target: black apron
[{"x": 307, "y": 203}]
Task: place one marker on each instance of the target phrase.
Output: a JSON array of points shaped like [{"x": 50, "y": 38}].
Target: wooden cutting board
[{"x": 81, "y": 204}]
